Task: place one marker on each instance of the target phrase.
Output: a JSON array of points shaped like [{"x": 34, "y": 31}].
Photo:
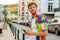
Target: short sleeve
[{"x": 44, "y": 24}]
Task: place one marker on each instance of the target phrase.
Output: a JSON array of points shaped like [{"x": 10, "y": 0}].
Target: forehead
[{"x": 32, "y": 5}]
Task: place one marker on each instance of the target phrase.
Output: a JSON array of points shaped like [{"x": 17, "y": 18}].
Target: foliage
[
  {"x": 13, "y": 8},
  {"x": 11, "y": 19},
  {"x": 4, "y": 12}
]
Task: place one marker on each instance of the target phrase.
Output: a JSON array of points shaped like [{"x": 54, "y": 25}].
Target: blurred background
[{"x": 16, "y": 11}]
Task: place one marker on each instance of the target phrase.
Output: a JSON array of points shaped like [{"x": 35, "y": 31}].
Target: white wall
[
  {"x": 57, "y": 13},
  {"x": 44, "y": 6},
  {"x": 1, "y": 14},
  {"x": 56, "y": 4},
  {"x": 1, "y": 7}
]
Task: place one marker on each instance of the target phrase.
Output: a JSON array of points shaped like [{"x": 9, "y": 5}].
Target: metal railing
[{"x": 16, "y": 32}]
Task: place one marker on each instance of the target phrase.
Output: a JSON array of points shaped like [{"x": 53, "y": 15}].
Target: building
[
  {"x": 1, "y": 14},
  {"x": 45, "y": 7},
  {"x": 59, "y": 3},
  {"x": 57, "y": 12},
  {"x": 1, "y": 18}
]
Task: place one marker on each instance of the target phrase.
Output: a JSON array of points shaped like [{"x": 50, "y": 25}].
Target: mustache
[{"x": 32, "y": 10}]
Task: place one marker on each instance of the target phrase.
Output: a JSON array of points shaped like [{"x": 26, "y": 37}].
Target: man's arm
[{"x": 44, "y": 33}]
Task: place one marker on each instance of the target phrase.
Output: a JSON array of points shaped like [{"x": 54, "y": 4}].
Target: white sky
[{"x": 4, "y": 2}]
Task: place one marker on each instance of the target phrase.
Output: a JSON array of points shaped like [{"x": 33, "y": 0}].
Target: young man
[{"x": 32, "y": 7}]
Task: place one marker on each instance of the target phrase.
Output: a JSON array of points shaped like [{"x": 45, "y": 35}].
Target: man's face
[{"x": 32, "y": 9}]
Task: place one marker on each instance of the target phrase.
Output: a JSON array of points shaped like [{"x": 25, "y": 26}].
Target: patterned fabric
[{"x": 41, "y": 24}]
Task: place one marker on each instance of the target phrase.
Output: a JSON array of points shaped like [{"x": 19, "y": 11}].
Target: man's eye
[
  {"x": 30, "y": 8},
  {"x": 33, "y": 7}
]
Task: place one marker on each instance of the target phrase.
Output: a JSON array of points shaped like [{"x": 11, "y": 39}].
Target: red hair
[{"x": 32, "y": 3}]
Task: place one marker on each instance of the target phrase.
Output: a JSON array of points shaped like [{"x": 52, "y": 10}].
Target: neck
[{"x": 34, "y": 15}]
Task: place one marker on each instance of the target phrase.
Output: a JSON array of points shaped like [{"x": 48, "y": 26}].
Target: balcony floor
[{"x": 6, "y": 34}]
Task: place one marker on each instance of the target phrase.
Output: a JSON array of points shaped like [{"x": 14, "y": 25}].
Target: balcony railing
[{"x": 17, "y": 32}]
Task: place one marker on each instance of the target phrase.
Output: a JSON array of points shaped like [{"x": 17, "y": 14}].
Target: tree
[
  {"x": 5, "y": 14},
  {"x": 5, "y": 23}
]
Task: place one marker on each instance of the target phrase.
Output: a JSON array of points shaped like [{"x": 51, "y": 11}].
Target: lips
[{"x": 32, "y": 10}]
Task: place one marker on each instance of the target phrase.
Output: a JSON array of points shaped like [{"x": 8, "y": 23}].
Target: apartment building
[
  {"x": 57, "y": 11},
  {"x": 45, "y": 7},
  {"x": 1, "y": 14}
]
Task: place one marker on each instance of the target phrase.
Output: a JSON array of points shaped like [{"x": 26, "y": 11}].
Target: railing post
[
  {"x": 23, "y": 37},
  {"x": 15, "y": 33},
  {"x": 10, "y": 25},
  {"x": 0, "y": 30},
  {"x": 18, "y": 35},
  {"x": 12, "y": 28}
]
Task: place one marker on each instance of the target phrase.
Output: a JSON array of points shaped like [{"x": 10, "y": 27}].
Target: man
[{"x": 32, "y": 7}]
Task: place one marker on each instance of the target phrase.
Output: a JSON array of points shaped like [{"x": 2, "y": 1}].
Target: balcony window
[{"x": 50, "y": 5}]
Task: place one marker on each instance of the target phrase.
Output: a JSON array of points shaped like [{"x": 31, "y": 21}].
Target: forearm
[{"x": 45, "y": 33}]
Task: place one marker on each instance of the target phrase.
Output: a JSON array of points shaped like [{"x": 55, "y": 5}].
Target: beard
[{"x": 33, "y": 13}]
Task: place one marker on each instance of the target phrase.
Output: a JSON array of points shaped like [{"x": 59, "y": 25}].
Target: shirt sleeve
[{"x": 44, "y": 24}]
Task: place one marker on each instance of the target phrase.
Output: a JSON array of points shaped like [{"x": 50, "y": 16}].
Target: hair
[{"x": 32, "y": 3}]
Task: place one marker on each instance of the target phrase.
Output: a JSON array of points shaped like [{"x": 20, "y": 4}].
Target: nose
[{"x": 32, "y": 7}]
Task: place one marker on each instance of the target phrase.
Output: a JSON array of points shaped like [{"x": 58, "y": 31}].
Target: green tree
[{"x": 5, "y": 14}]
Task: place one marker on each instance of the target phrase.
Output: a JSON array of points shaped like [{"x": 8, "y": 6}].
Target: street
[{"x": 52, "y": 36}]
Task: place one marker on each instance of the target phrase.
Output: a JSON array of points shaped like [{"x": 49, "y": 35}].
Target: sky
[{"x": 5, "y": 2}]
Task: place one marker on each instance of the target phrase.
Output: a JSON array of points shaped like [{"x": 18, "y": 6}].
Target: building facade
[
  {"x": 45, "y": 7},
  {"x": 57, "y": 12},
  {"x": 59, "y": 3},
  {"x": 1, "y": 13}
]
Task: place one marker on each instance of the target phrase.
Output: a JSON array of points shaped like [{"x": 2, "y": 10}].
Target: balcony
[{"x": 50, "y": 1}]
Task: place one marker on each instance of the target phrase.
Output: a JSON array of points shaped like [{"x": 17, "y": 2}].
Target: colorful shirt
[{"x": 39, "y": 24}]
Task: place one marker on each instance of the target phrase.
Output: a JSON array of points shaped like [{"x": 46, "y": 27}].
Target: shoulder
[{"x": 39, "y": 16}]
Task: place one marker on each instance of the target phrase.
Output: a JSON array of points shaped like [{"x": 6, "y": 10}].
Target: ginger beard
[{"x": 32, "y": 9}]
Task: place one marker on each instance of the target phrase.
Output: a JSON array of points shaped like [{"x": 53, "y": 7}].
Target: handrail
[{"x": 16, "y": 30}]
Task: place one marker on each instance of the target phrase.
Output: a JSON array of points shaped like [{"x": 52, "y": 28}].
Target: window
[
  {"x": 55, "y": 21},
  {"x": 22, "y": 8},
  {"x": 27, "y": 17},
  {"x": 50, "y": 7},
  {"x": 23, "y": 3},
  {"x": 22, "y": 18},
  {"x": 26, "y": 12},
  {"x": 22, "y": 13}
]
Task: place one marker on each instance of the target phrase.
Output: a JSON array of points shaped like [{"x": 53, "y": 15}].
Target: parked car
[{"x": 54, "y": 25}]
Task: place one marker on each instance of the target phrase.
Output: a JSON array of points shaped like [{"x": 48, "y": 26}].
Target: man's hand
[{"x": 28, "y": 32}]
